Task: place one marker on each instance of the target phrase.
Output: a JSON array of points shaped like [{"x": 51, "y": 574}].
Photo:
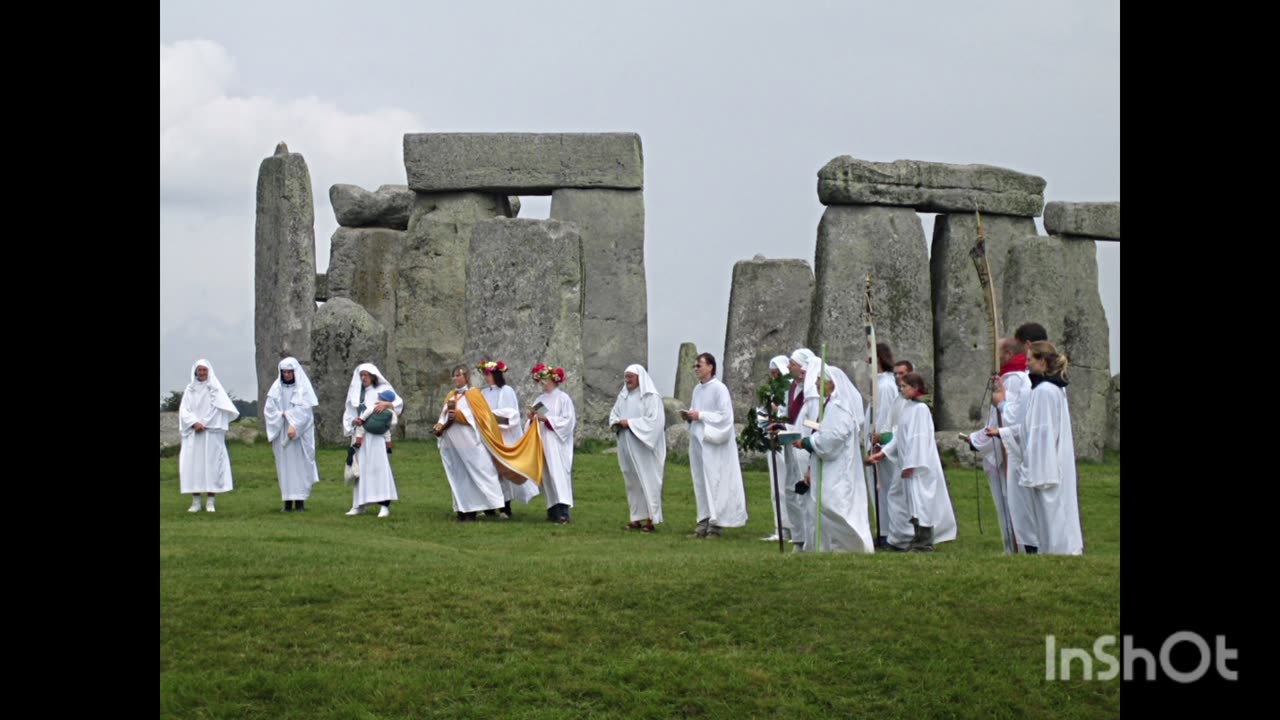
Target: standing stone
[
  {"x": 284, "y": 265},
  {"x": 615, "y": 317},
  {"x": 344, "y": 336},
  {"x": 524, "y": 303},
  {"x": 769, "y": 306},
  {"x": 364, "y": 266},
  {"x": 671, "y": 408},
  {"x": 430, "y": 311},
  {"x": 686, "y": 378},
  {"x": 522, "y": 163},
  {"x": 1113, "y": 414},
  {"x": 355, "y": 207},
  {"x": 1054, "y": 281},
  {"x": 962, "y": 335},
  {"x": 888, "y": 242},
  {"x": 322, "y": 287},
  {"x": 1099, "y": 220},
  {"x": 930, "y": 187}
]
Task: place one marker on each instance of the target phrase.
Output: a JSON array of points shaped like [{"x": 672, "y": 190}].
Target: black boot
[
  {"x": 298, "y": 506},
  {"x": 288, "y": 506},
  {"x": 506, "y": 509},
  {"x": 1031, "y": 549}
]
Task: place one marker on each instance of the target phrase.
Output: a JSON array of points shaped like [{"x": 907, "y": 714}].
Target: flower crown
[
  {"x": 491, "y": 366},
  {"x": 542, "y": 372}
]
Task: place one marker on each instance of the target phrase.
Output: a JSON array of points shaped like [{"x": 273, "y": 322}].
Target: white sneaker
[
  {"x": 354, "y": 511},
  {"x": 771, "y": 538},
  {"x": 384, "y": 512},
  {"x": 208, "y": 506},
  {"x": 195, "y": 507}
]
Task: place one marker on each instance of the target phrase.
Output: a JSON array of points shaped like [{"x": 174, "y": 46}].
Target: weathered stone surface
[
  {"x": 322, "y": 287},
  {"x": 889, "y": 243},
  {"x": 344, "y": 336},
  {"x": 1113, "y": 414},
  {"x": 1054, "y": 281},
  {"x": 950, "y": 440},
  {"x": 615, "y": 307},
  {"x": 769, "y": 305},
  {"x": 170, "y": 435},
  {"x": 672, "y": 408},
  {"x": 930, "y": 187},
  {"x": 678, "y": 440},
  {"x": 686, "y": 378},
  {"x": 512, "y": 208},
  {"x": 523, "y": 163},
  {"x": 364, "y": 266},
  {"x": 1099, "y": 220},
  {"x": 524, "y": 303},
  {"x": 430, "y": 327},
  {"x": 962, "y": 340},
  {"x": 388, "y": 207},
  {"x": 284, "y": 265}
]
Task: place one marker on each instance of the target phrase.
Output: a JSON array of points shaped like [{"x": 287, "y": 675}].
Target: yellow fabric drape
[{"x": 517, "y": 463}]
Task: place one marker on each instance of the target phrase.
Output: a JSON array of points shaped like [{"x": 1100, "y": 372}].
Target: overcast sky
[{"x": 738, "y": 104}]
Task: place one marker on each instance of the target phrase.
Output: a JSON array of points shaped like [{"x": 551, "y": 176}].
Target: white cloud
[{"x": 212, "y": 141}]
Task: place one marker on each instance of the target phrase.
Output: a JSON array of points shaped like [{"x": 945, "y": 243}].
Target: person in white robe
[
  {"x": 639, "y": 420},
  {"x": 473, "y": 478},
  {"x": 289, "y": 419},
  {"x": 713, "y": 454},
  {"x": 914, "y": 449},
  {"x": 205, "y": 415},
  {"x": 779, "y": 366},
  {"x": 1009, "y": 395},
  {"x": 836, "y": 480},
  {"x": 557, "y": 419},
  {"x": 377, "y": 484},
  {"x": 1043, "y": 445},
  {"x": 796, "y": 461},
  {"x": 881, "y": 478},
  {"x": 506, "y": 408}
]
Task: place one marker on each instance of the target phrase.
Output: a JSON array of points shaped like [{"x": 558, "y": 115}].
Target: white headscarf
[
  {"x": 303, "y": 393},
  {"x": 812, "y": 370},
  {"x": 646, "y": 383},
  {"x": 353, "y": 392},
  {"x": 781, "y": 364},
  {"x": 844, "y": 388},
  {"x": 217, "y": 395},
  {"x": 802, "y": 356}
]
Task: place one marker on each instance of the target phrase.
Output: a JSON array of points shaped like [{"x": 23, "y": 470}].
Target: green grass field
[{"x": 319, "y": 615}]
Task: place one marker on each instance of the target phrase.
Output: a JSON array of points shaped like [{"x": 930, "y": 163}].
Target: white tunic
[
  {"x": 377, "y": 483},
  {"x": 292, "y": 405},
  {"x": 846, "y": 525},
  {"x": 557, "y": 446},
  {"x": 473, "y": 479},
  {"x": 642, "y": 449},
  {"x": 1043, "y": 445},
  {"x": 713, "y": 458},
  {"x": 1013, "y": 502},
  {"x": 915, "y": 448},
  {"x": 203, "y": 463}
]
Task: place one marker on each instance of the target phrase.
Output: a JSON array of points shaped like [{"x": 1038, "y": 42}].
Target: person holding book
[
  {"x": 836, "y": 478},
  {"x": 554, "y": 413}
]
